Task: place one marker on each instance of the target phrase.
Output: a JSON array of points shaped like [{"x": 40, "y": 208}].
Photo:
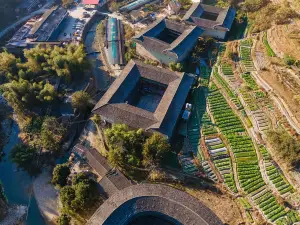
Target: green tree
[
  {"x": 67, "y": 195},
  {"x": 285, "y": 146},
  {"x": 185, "y": 4},
  {"x": 67, "y": 3},
  {"x": 48, "y": 93},
  {"x": 154, "y": 149},
  {"x": 114, "y": 6},
  {"x": 125, "y": 145},
  {"x": 8, "y": 65},
  {"x": 63, "y": 219},
  {"x": 81, "y": 101},
  {"x": 289, "y": 60},
  {"x": 51, "y": 134},
  {"x": 130, "y": 51},
  {"x": 81, "y": 178},
  {"x": 79, "y": 196},
  {"x": 116, "y": 156},
  {"x": 23, "y": 156},
  {"x": 175, "y": 66},
  {"x": 85, "y": 196},
  {"x": 60, "y": 174}
]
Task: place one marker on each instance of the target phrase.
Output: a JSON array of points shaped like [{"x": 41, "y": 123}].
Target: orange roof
[{"x": 91, "y": 2}]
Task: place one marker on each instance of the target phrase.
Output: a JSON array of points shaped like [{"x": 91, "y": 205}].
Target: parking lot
[{"x": 75, "y": 22}]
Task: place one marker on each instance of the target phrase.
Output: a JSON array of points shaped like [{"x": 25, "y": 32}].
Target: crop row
[
  {"x": 228, "y": 90},
  {"x": 250, "y": 81},
  {"x": 291, "y": 218},
  {"x": 277, "y": 178},
  {"x": 246, "y": 42},
  {"x": 219, "y": 156},
  {"x": 227, "y": 70},
  {"x": 224, "y": 117},
  {"x": 245, "y": 158},
  {"x": 269, "y": 206},
  {"x": 247, "y": 163},
  {"x": 248, "y": 99},
  {"x": 245, "y": 54}
]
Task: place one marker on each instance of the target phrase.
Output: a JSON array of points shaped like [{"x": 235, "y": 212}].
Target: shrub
[
  {"x": 63, "y": 220},
  {"x": 289, "y": 60},
  {"x": 60, "y": 175}
]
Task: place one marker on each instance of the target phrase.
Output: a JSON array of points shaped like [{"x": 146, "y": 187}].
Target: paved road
[{"x": 24, "y": 19}]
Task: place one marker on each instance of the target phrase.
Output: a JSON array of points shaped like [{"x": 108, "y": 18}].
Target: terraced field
[
  {"x": 245, "y": 157},
  {"x": 228, "y": 90},
  {"x": 223, "y": 115},
  {"x": 274, "y": 174},
  {"x": 227, "y": 71},
  {"x": 277, "y": 179},
  {"x": 240, "y": 145},
  {"x": 208, "y": 128},
  {"x": 245, "y": 55},
  {"x": 220, "y": 157}
]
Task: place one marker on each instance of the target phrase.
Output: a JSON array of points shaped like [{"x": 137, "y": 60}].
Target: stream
[{"x": 17, "y": 183}]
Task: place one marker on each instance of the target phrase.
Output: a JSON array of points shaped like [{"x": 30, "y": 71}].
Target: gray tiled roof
[
  {"x": 112, "y": 105},
  {"x": 96, "y": 161},
  {"x": 112, "y": 179},
  {"x": 148, "y": 39},
  {"x": 169, "y": 203},
  {"x": 223, "y": 22}
]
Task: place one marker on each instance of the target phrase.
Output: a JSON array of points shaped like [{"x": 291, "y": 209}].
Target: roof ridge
[
  {"x": 134, "y": 107},
  {"x": 161, "y": 69}
]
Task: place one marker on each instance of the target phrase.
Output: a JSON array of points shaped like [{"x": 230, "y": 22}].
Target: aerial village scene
[{"x": 149, "y": 112}]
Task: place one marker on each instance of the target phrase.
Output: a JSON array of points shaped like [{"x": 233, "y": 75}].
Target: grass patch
[{"x": 270, "y": 51}]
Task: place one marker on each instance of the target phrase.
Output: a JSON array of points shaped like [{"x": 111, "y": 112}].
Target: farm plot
[
  {"x": 276, "y": 177},
  {"x": 248, "y": 170},
  {"x": 221, "y": 159},
  {"x": 261, "y": 120},
  {"x": 246, "y": 42},
  {"x": 291, "y": 218},
  {"x": 250, "y": 82},
  {"x": 248, "y": 208},
  {"x": 209, "y": 172},
  {"x": 248, "y": 99},
  {"x": 188, "y": 165},
  {"x": 249, "y": 175},
  {"x": 228, "y": 90},
  {"x": 245, "y": 55},
  {"x": 269, "y": 205},
  {"x": 227, "y": 71},
  {"x": 208, "y": 128},
  {"x": 223, "y": 115},
  {"x": 193, "y": 127},
  {"x": 205, "y": 72},
  {"x": 193, "y": 132}
]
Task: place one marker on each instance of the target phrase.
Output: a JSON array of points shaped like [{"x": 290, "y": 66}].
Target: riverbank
[
  {"x": 16, "y": 215},
  {"x": 17, "y": 183},
  {"x": 46, "y": 196}
]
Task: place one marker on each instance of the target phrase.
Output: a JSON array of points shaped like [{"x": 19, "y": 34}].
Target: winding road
[{"x": 24, "y": 19}]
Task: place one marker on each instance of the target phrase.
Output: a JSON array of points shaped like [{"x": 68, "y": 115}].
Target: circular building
[{"x": 152, "y": 204}]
